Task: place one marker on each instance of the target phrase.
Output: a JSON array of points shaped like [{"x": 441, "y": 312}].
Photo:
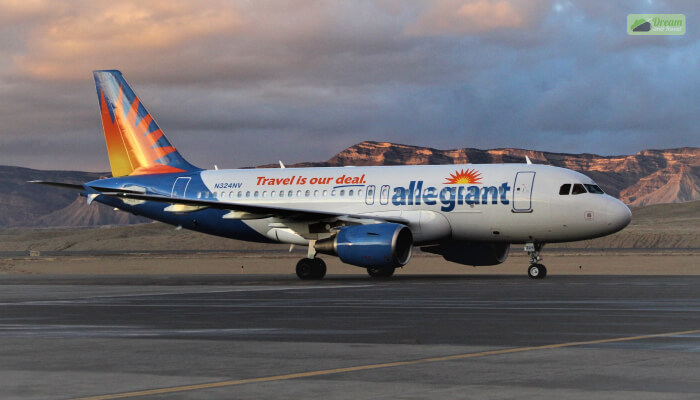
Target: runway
[{"x": 411, "y": 337}]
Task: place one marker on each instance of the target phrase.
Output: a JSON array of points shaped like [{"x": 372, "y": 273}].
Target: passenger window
[
  {"x": 281, "y": 193},
  {"x": 247, "y": 194},
  {"x": 565, "y": 189},
  {"x": 578, "y": 189},
  {"x": 264, "y": 193},
  {"x": 298, "y": 193},
  {"x": 199, "y": 195},
  {"x": 273, "y": 193},
  {"x": 325, "y": 193},
  {"x": 315, "y": 193},
  {"x": 290, "y": 193},
  {"x": 255, "y": 194},
  {"x": 359, "y": 192},
  {"x": 333, "y": 192},
  {"x": 307, "y": 193},
  {"x": 350, "y": 192},
  {"x": 594, "y": 189},
  {"x": 342, "y": 192}
]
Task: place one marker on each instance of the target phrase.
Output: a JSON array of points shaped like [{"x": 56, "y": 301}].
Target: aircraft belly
[{"x": 469, "y": 225}]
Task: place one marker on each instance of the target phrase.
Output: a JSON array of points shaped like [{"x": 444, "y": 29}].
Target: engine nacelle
[
  {"x": 385, "y": 245},
  {"x": 471, "y": 253}
]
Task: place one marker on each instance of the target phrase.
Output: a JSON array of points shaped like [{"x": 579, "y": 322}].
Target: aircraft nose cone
[{"x": 619, "y": 215}]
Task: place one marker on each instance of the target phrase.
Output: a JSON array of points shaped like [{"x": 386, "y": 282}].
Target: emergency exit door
[{"x": 522, "y": 191}]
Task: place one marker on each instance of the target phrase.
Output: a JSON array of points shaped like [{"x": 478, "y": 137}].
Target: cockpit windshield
[
  {"x": 579, "y": 188},
  {"x": 595, "y": 189}
]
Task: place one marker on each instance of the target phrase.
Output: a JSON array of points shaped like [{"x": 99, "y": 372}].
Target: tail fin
[{"x": 135, "y": 143}]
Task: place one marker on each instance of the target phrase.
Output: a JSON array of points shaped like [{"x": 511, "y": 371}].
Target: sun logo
[{"x": 464, "y": 176}]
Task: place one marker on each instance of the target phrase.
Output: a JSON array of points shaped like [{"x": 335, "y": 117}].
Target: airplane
[{"x": 369, "y": 217}]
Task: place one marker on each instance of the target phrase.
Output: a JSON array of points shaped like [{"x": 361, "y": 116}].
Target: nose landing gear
[{"x": 536, "y": 270}]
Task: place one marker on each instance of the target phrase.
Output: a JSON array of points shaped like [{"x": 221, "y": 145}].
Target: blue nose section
[{"x": 619, "y": 215}]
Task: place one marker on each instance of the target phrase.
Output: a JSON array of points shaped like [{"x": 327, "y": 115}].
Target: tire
[
  {"x": 320, "y": 269},
  {"x": 380, "y": 272},
  {"x": 537, "y": 271},
  {"x": 308, "y": 269}
]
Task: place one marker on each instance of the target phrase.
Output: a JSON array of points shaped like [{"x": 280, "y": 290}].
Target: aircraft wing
[{"x": 266, "y": 210}]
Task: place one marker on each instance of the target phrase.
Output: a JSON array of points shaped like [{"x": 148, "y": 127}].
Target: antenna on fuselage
[
  {"x": 282, "y": 164},
  {"x": 527, "y": 159}
]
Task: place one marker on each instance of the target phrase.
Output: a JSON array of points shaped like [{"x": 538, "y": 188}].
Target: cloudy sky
[{"x": 240, "y": 83}]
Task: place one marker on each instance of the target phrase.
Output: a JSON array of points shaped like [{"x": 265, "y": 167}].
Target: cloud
[
  {"x": 18, "y": 11},
  {"x": 130, "y": 34},
  {"x": 247, "y": 83},
  {"x": 460, "y": 17}
]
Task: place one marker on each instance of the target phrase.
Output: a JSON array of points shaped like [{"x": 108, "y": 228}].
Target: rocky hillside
[
  {"x": 26, "y": 204},
  {"x": 648, "y": 177}
]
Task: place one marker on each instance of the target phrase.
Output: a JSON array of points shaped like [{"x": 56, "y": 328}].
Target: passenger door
[
  {"x": 180, "y": 187},
  {"x": 522, "y": 191}
]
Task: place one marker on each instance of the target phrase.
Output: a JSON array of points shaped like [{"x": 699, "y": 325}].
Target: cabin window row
[{"x": 281, "y": 194}]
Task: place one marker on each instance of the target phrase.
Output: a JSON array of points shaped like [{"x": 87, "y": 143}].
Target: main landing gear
[
  {"x": 311, "y": 268},
  {"x": 536, "y": 270}
]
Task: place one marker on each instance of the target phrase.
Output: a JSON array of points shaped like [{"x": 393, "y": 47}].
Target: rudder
[{"x": 135, "y": 143}]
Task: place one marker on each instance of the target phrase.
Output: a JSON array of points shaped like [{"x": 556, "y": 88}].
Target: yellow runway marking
[{"x": 212, "y": 385}]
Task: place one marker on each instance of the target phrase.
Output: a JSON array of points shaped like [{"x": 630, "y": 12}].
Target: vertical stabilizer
[{"x": 135, "y": 143}]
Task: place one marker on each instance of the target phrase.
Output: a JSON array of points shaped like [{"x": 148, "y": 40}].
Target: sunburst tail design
[
  {"x": 464, "y": 176},
  {"x": 135, "y": 143}
]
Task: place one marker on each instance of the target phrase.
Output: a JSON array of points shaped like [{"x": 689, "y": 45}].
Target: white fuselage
[{"x": 514, "y": 203}]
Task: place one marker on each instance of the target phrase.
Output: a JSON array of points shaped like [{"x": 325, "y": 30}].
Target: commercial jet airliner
[{"x": 370, "y": 217}]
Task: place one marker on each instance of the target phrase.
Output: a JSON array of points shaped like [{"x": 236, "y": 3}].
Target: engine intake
[{"x": 386, "y": 245}]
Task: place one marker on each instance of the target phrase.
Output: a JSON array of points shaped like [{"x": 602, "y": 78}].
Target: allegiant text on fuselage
[{"x": 449, "y": 196}]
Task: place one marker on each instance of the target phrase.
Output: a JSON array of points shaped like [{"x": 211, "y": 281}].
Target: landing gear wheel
[
  {"x": 311, "y": 268},
  {"x": 537, "y": 271},
  {"x": 380, "y": 272}
]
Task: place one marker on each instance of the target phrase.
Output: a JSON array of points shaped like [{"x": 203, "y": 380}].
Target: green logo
[{"x": 656, "y": 24}]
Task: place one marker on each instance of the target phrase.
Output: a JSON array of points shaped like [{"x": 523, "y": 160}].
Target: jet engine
[
  {"x": 385, "y": 245},
  {"x": 471, "y": 253}
]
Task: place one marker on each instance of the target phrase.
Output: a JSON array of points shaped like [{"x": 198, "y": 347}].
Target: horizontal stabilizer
[{"x": 62, "y": 185}]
